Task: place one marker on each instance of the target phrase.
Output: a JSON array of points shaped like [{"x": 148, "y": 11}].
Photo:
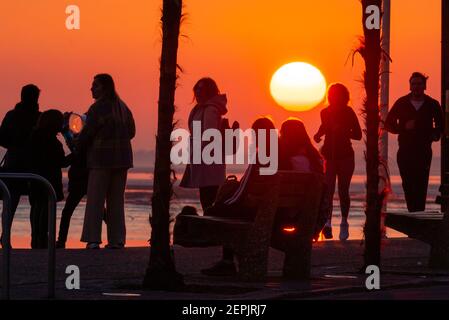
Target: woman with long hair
[
  {"x": 106, "y": 139},
  {"x": 297, "y": 153},
  {"x": 339, "y": 125},
  {"x": 296, "y": 150},
  {"x": 209, "y": 111},
  {"x": 233, "y": 205}
]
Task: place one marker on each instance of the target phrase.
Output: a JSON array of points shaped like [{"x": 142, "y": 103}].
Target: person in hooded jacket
[
  {"x": 209, "y": 111},
  {"x": 15, "y": 132}
]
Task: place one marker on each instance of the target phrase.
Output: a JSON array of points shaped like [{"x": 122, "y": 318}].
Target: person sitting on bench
[
  {"x": 232, "y": 207},
  {"x": 297, "y": 153}
]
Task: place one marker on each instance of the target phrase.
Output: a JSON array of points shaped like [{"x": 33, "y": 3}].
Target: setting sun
[{"x": 298, "y": 86}]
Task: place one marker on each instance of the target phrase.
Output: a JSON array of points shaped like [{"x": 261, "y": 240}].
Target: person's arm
[
  {"x": 131, "y": 125},
  {"x": 321, "y": 130},
  {"x": 356, "y": 131},
  {"x": 438, "y": 122},
  {"x": 391, "y": 122},
  {"x": 211, "y": 119},
  {"x": 88, "y": 132},
  {"x": 5, "y": 131}
]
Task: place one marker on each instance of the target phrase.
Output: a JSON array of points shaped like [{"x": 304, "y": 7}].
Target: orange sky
[{"x": 238, "y": 43}]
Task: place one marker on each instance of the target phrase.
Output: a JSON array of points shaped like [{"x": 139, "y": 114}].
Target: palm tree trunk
[
  {"x": 161, "y": 273},
  {"x": 372, "y": 56}
]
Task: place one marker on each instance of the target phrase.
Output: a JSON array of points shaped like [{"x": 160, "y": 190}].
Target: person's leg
[
  {"x": 42, "y": 232},
  {"x": 38, "y": 217},
  {"x": 15, "y": 199},
  {"x": 344, "y": 172},
  {"x": 73, "y": 199},
  {"x": 330, "y": 177},
  {"x": 34, "y": 214},
  {"x": 96, "y": 195},
  {"x": 407, "y": 172},
  {"x": 115, "y": 208},
  {"x": 422, "y": 179},
  {"x": 207, "y": 196}
]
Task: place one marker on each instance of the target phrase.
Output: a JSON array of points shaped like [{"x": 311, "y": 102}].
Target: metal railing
[{"x": 6, "y": 240}]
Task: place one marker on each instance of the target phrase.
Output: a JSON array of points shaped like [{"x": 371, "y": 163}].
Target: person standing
[
  {"x": 339, "y": 124},
  {"x": 49, "y": 158},
  {"x": 209, "y": 110},
  {"x": 106, "y": 140},
  {"x": 15, "y": 132},
  {"x": 418, "y": 120}
]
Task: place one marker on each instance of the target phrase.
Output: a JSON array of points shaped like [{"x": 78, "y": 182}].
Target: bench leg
[
  {"x": 297, "y": 262},
  {"x": 439, "y": 257},
  {"x": 253, "y": 265}
]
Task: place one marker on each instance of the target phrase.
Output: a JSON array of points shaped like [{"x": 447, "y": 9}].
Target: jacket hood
[{"x": 218, "y": 102}]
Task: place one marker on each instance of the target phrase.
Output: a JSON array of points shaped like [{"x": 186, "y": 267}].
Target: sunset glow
[{"x": 298, "y": 86}]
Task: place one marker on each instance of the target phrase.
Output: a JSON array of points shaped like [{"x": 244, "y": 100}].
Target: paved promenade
[{"x": 117, "y": 274}]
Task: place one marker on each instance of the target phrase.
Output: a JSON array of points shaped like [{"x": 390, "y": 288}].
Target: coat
[
  {"x": 15, "y": 132},
  {"x": 428, "y": 123},
  {"x": 205, "y": 175},
  {"x": 107, "y": 142},
  {"x": 48, "y": 158}
]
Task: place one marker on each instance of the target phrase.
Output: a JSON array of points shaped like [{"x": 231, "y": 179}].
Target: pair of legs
[
  {"x": 414, "y": 167},
  {"x": 105, "y": 185},
  {"x": 340, "y": 170},
  {"x": 16, "y": 189},
  {"x": 39, "y": 217},
  {"x": 73, "y": 199}
]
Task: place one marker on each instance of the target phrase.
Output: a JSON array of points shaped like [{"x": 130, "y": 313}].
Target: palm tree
[
  {"x": 161, "y": 273},
  {"x": 371, "y": 52}
]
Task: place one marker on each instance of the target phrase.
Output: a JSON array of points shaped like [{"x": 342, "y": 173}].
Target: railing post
[{"x": 6, "y": 239}]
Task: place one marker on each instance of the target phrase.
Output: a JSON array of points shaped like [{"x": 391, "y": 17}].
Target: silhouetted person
[
  {"x": 106, "y": 139},
  {"x": 418, "y": 119},
  {"x": 296, "y": 152},
  {"x": 210, "y": 107},
  {"x": 15, "y": 132},
  {"x": 339, "y": 124},
  {"x": 78, "y": 177},
  {"x": 48, "y": 157},
  {"x": 233, "y": 206}
]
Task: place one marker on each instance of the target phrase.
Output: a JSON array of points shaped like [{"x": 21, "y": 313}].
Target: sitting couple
[{"x": 296, "y": 153}]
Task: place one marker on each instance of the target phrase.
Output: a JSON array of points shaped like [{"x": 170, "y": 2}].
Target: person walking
[
  {"x": 106, "y": 140},
  {"x": 339, "y": 125},
  {"x": 418, "y": 120}
]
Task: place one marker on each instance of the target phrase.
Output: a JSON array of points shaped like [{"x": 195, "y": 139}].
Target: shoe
[
  {"x": 222, "y": 268},
  {"x": 327, "y": 232},
  {"x": 60, "y": 245},
  {"x": 93, "y": 245},
  {"x": 114, "y": 246},
  {"x": 344, "y": 231}
]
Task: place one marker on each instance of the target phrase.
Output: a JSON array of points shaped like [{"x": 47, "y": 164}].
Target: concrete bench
[
  {"x": 287, "y": 191},
  {"x": 430, "y": 227}
]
